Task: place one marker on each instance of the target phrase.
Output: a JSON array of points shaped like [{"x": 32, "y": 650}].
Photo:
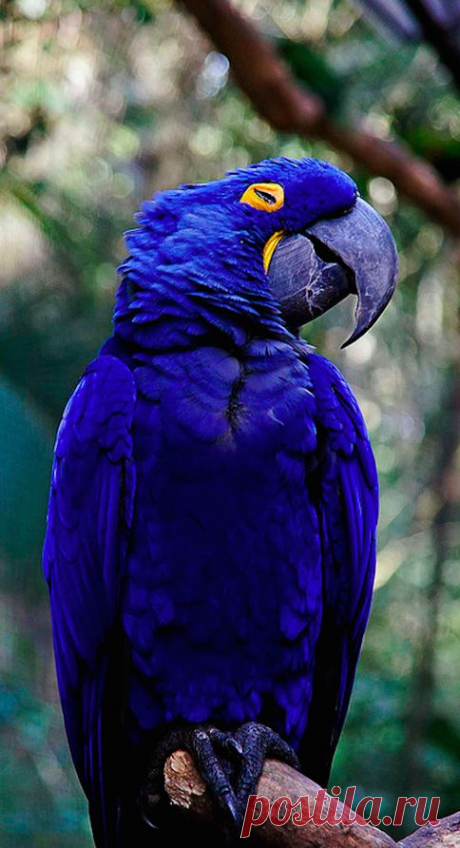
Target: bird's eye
[{"x": 265, "y": 196}]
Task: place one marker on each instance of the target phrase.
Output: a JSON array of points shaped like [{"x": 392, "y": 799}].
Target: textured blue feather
[
  {"x": 347, "y": 489},
  {"x": 90, "y": 513}
]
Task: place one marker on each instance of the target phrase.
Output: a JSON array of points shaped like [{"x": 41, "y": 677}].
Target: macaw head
[
  {"x": 323, "y": 241},
  {"x": 294, "y": 232}
]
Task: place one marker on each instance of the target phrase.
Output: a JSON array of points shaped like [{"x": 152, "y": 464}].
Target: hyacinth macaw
[{"x": 210, "y": 544}]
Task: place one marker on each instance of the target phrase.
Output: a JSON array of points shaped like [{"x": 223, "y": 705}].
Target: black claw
[
  {"x": 149, "y": 822},
  {"x": 232, "y": 807},
  {"x": 237, "y": 747}
]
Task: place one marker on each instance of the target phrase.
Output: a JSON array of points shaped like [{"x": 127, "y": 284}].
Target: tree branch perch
[{"x": 188, "y": 794}]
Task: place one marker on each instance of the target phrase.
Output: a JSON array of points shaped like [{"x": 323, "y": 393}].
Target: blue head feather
[{"x": 196, "y": 260}]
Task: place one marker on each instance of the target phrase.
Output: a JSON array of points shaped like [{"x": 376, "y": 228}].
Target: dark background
[{"x": 100, "y": 105}]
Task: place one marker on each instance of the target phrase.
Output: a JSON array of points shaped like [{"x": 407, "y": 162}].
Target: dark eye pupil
[{"x": 265, "y": 196}]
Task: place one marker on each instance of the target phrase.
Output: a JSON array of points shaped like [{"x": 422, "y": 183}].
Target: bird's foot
[
  {"x": 216, "y": 755},
  {"x": 258, "y": 743},
  {"x": 230, "y": 763}
]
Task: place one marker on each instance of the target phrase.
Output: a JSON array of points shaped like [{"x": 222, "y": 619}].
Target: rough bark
[
  {"x": 291, "y": 108},
  {"x": 189, "y": 795},
  {"x": 446, "y": 834}
]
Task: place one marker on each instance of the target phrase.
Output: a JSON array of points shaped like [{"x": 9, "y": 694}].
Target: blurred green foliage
[{"x": 100, "y": 105}]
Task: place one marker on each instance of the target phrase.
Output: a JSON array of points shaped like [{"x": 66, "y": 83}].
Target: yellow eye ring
[{"x": 268, "y": 197}]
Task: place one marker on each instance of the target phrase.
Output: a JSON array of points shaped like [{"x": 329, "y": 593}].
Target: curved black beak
[{"x": 352, "y": 254}]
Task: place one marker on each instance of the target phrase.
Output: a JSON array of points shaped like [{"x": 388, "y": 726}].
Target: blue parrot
[{"x": 210, "y": 544}]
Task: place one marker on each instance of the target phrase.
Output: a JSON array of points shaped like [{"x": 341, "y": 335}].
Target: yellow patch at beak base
[{"x": 270, "y": 248}]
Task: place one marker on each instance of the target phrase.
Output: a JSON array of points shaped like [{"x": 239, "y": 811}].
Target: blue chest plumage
[{"x": 224, "y": 568}]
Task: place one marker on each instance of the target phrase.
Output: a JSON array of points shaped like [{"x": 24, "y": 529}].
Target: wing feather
[
  {"x": 89, "y": 517},
  {"x": 345, "y": 488}
]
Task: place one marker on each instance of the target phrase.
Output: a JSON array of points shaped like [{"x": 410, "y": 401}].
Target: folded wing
[
  {"x": 344, "y": 487},
  {"x": 89, "y": 517}
]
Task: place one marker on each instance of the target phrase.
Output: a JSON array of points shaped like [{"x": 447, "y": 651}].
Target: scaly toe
[
  {"x": 259, "y": 742},
  {"x": 227, "y": 743}
]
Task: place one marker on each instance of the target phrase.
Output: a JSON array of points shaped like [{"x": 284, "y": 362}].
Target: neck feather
[{"x": 179, "y": 285}]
